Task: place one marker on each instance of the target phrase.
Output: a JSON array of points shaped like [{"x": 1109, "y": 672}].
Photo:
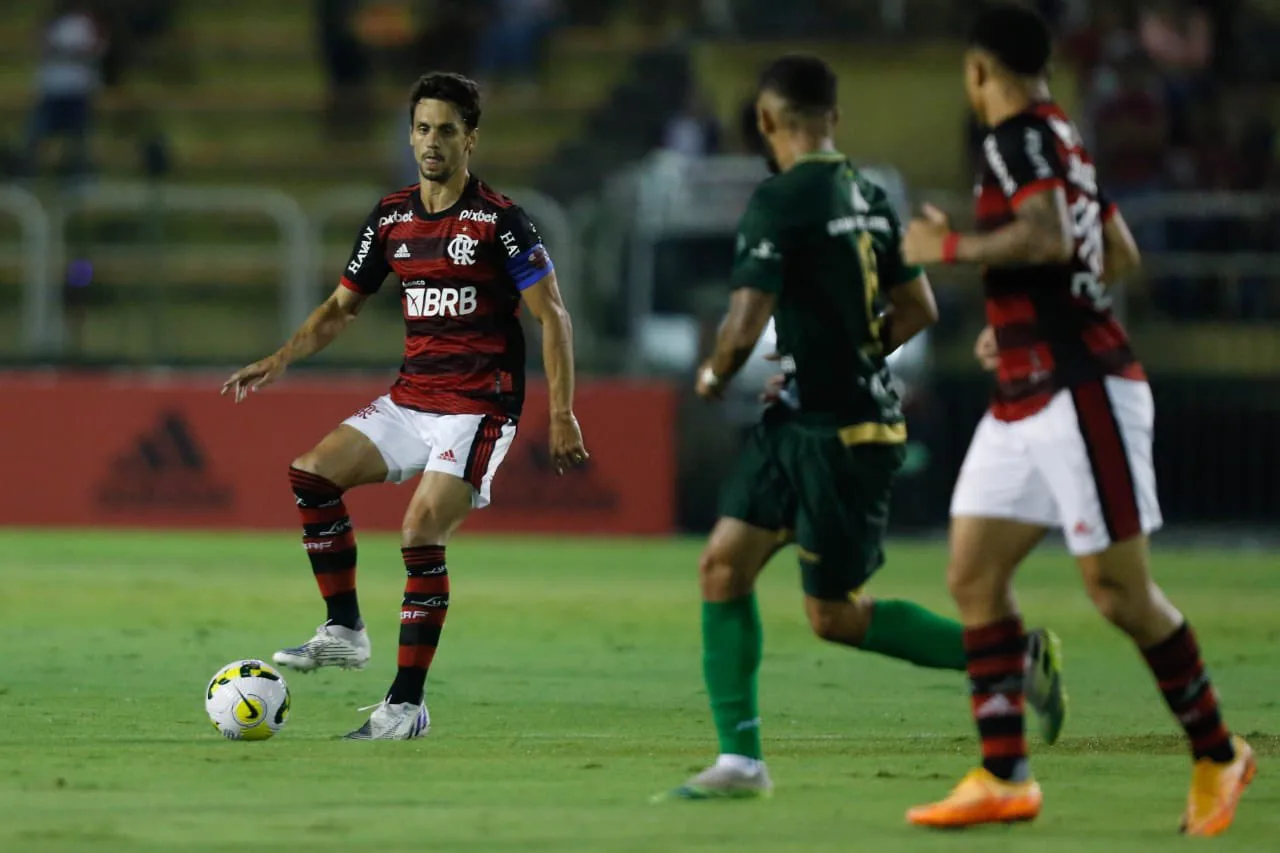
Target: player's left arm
[
  {"x": 534, "y": 274},
  {"x": 1033, "y": 177},
  {"x": 912, "y": 307}
]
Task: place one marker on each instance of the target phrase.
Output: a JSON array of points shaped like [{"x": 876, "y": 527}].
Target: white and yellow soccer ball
[{"x": 247, "y": 700}]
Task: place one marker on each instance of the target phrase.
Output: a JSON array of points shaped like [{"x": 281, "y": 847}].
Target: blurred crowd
[
  {"x": 1174, "y": 94},
  {"x": 1176, "y": 97},
  {"x": 87, "y": 46}
]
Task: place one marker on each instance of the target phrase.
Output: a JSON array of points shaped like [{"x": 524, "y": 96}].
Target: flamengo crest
[{"x": 462, "y": 250}]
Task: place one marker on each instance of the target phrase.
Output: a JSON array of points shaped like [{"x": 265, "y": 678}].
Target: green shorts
[{"x": 831, "y": 494}]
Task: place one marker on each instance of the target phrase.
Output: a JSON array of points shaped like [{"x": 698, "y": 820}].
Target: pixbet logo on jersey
[
  {"x": 393, "y": 218},
  {"x": 420, "y": 302},
  {"x": 478, "y": 216}
]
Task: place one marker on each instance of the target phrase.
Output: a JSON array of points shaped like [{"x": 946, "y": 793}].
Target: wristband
[
  {"x": 950, "y": 245},
  {"x": 709, "y": 377}
]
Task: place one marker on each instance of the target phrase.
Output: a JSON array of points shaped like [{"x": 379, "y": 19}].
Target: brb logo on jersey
[
  {"x": 421, "y": 301},
  {"x": 478, "y": 216},
  {"x": 462, "y": 250}
]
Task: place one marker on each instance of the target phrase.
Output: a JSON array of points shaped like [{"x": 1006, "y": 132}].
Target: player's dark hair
[
  {"x": 451, "y": 88},
  {"x": 806, "y": 83},
  {"x": 1015, "y": 35}
]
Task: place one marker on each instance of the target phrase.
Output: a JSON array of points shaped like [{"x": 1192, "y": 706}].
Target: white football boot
[
  {"x": 404, "y": 721},
  {"x": 333, "y": 645},
  {"x": 732, "y": 777}
]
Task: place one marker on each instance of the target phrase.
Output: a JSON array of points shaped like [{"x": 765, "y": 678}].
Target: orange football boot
[
  {"x": 1216, "y": 790},
  {"x": 981, "y": 798}
]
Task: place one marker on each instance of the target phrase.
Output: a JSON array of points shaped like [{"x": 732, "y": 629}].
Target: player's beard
[
  {"x": 437, "y": 177},
  {"x": 440, "y": 177}
]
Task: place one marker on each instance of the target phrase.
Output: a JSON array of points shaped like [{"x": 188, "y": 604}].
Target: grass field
[{"x": 567, "y": 691}]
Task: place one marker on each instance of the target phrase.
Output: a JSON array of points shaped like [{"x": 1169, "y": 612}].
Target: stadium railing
[
  {"x": 57, "y": 233},
  {"x": 35, "y": 252}
]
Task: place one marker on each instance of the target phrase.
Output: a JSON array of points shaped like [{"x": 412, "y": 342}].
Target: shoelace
[{"x": 371, "y": 707}]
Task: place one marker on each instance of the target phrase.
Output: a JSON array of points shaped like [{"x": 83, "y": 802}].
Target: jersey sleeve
[
  {"x": 525, "y": 258},
  {"x": 367, "y": 267},
  {"x": 757, "y": 256},
  {"x": 1024, "y": 158}
]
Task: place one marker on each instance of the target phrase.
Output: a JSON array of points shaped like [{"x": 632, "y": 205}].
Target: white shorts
[
  {"x": 1082, "y": 463},
  {"x": 470, "y": 447}
]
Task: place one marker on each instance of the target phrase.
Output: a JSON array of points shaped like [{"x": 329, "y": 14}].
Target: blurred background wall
[{"x": 180, "y": 182}]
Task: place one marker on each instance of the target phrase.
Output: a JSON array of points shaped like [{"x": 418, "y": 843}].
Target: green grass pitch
[{"x": 566, "y": 692}]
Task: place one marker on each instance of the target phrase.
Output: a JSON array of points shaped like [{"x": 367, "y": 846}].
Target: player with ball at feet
[{"x": 467, "y": 258}]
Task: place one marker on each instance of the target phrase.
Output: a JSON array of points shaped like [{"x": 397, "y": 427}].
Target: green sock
[
  {"x": 900, "y": 629},
  {"x": 732, "y": 644}
]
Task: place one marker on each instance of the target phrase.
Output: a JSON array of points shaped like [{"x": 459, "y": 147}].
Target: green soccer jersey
[{"x": 827, "y": 243}]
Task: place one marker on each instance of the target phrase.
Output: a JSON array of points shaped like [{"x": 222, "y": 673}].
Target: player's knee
[
  {"x": 828, "y": 621},
  {"x": 836, "y": 621},
  {"x": 1122, "y": 604},
  {"x": 969, "y": 583},
  {"x": 720, "y": 578},
  {"x": 309, "y": 462},
  {"x": 424, "y": 525}
]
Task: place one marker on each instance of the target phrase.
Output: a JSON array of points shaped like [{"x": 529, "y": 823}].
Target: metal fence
[
  {"x": 164, "y": 275},
  {"x": 156, "y": 273}
]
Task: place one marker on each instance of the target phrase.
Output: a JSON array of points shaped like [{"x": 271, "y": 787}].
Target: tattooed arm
[{"x": 1039, "y": 234}]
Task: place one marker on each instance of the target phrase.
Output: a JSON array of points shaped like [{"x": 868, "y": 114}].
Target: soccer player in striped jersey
[
  {"x": 1068, "y": 440},
  {"x": 467, "y": 258}
]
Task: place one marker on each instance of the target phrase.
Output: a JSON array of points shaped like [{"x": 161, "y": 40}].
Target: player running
[
  {"x": 1067, "y": 442},
  {"x": 818, "y": 249},
  {"x": 466, "y": 257}
]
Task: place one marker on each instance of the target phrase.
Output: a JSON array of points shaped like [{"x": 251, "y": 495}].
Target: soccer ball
[{"x": 247, "y": 700}]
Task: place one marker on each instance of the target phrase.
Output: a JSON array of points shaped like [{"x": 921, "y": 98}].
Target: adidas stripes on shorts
[{"x": 470, "y": 447}]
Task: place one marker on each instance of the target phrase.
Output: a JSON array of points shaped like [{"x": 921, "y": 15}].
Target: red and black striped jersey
[
  {"x": 461, "y": 273},
  {"x": 1053, "y": 322}
]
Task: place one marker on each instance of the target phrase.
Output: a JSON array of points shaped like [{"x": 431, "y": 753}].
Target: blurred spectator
[
  {"x": 1131, "y": 121},
  {"x": 346, "y": 65},
  {"x": 694, "y": 130},
  {"x": 511, "y": 47},
  {"x": 144, "y": 37},
  {"x": 1178, "y": 37},
  {"x": 67, "y": 82}
]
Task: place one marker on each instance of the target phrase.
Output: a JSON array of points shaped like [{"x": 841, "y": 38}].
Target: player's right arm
[
  {"x": 1032, "y": 176},
  {"x": 362, "y": 277},
  {"x": 756, "y": 279}
]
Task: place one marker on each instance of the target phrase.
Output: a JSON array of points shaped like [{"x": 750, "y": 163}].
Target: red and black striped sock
[
  {"x": 995, "y": 656},
  {"x": 426, "y": 603},
  {"x": 1186, "y": 687},
  {"x": 330, "y": 544}
]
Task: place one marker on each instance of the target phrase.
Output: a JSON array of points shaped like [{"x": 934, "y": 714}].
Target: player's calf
[
  {"x": 1119, "y": 583},
  {"x": 330, "y": 543}
]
